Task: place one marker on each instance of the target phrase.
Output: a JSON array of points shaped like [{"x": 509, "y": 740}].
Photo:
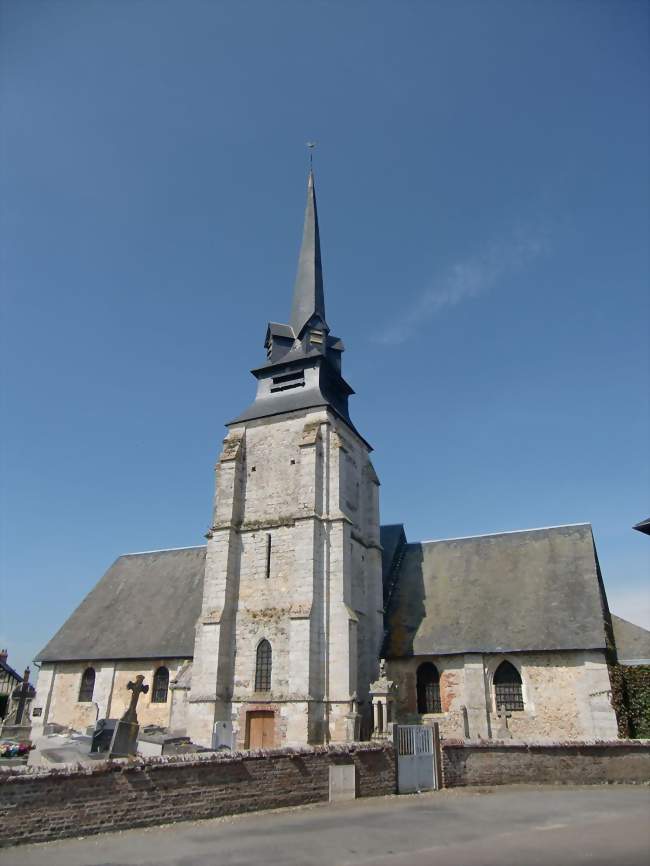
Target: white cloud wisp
[{"x": 466, "y": 280}]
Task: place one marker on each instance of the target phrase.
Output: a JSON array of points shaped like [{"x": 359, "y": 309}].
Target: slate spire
[{"x": 308, "y": 297}]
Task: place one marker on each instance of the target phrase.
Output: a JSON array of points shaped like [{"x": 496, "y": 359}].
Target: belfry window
[
  {"x": 160, "y": 686},
  {"x": 428, "y": 689},
  {"x": 507, "y": 687},
  {"x": 288, "y": 381},
  {"x": 87, "y": 686},
  {"x": 263, "y": 667}
]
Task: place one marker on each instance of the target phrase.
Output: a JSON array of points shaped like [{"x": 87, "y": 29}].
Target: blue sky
[{"x": 482, "y": 179}]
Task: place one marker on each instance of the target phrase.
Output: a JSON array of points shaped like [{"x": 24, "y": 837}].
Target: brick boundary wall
[
  {"x": 483, "y": 762},
  {"x": 38, "y": 805}
]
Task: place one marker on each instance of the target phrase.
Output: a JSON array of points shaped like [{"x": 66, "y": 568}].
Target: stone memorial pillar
[{"x": 381, "y": 692}]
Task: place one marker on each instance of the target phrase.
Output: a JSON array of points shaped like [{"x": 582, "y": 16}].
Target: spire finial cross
[{"x": 310, "y": 147}]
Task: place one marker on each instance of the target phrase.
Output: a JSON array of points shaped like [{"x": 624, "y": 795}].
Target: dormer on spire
[{"x": 308, "y": 298}]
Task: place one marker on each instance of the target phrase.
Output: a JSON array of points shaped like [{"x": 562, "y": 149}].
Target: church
[{"x": 303, "y": 620}]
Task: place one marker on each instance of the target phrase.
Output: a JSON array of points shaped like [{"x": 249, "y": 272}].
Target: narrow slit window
[
  {"x": 268, "y": 556},
  {"x": 263, "y": 667}
]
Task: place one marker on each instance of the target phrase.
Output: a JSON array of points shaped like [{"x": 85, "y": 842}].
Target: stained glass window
[{"x": 263, "y": 667}]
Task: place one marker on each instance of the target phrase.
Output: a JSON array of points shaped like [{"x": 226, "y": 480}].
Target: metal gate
[{"x": 417, "y": 758}]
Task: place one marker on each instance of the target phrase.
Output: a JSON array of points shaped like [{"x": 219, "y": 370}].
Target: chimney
[
  {"x": 3, "y": 655},
  {"x": 26, "y": 675}
]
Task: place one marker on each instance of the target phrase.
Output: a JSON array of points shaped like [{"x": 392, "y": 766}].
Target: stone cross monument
[
  {"x": 136, "y": 688},
  {"x": 503, "y": 731},
  {"x": 125, "y": 738}
]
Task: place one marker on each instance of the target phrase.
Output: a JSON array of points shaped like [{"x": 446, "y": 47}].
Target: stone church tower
[{"x": 291, "y": 624}]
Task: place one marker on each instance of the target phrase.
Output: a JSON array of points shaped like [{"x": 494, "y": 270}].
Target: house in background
[{"x": 9, "y": 681}]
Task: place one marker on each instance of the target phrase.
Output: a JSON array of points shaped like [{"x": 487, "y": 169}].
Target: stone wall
[
  {"x": 509, "y": 763},
  {"x": 57, "y": 693},
  {"x": 566, "y": 694},
  {"x": 38, "y": 805},
  {"x": 293, "y": 558}
]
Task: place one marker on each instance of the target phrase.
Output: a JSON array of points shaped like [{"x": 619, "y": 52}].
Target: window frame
[
  {"x": 156, "y": 688},
  {"x": 86, "y": 692},
  {"x": 428, "y": 692},
  {"x": 263, "y": 666},
  {"x": 508, "y": 692}
]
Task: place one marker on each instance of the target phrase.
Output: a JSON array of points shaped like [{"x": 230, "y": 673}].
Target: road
[{"x": 515, "y": 826}]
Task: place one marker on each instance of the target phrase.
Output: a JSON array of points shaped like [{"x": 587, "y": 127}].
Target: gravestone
[
  {"x": 103, "y": 735},
  {"x": 125, "y": 738}
]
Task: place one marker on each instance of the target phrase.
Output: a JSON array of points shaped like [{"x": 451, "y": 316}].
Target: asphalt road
[{"x": 517, "y": 826}]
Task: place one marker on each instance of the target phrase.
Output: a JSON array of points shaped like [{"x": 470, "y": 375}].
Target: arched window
[
  {"x": 87, "y": 685},
  {"x": 160, "y": 686},
  {"x": 263, "y": 667},
  {"x": 428, "y": 688},
  {"x": 507, "y": 687}
]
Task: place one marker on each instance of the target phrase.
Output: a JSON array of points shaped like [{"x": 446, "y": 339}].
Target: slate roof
[
  {"x": 308, "y": 295},
  {"x": 292, "y": 349},
  {"x": 393, "y": 542},
  {"x": 145, "y": 606},
  {"x": 10, "y": 671},
  {"x": 531, "y": 590},
  {"x": 632, "y": 642},
  {"x": 390, "y": 537},
  {"x": 297, "y": 400},
  {"x": 536, "y": 589}
]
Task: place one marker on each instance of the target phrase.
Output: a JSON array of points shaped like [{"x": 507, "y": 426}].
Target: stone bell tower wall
[{"x": 294, "y": 559}]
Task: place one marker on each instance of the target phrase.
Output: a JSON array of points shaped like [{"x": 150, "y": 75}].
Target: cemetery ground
[{"x": 522, "y": 825}]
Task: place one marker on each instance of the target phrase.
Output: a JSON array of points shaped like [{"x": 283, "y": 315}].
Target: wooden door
[{"x": 261, "y": 729}]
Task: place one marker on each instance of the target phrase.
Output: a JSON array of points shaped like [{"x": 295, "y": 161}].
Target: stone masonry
[
  {"x": 37, "y": 806},
  {"x": 513, "y": 763},
  {"x": 58, "y": 693},
  {"x": 566, "y": 695},
  {"x": 293, "y": 558}
]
